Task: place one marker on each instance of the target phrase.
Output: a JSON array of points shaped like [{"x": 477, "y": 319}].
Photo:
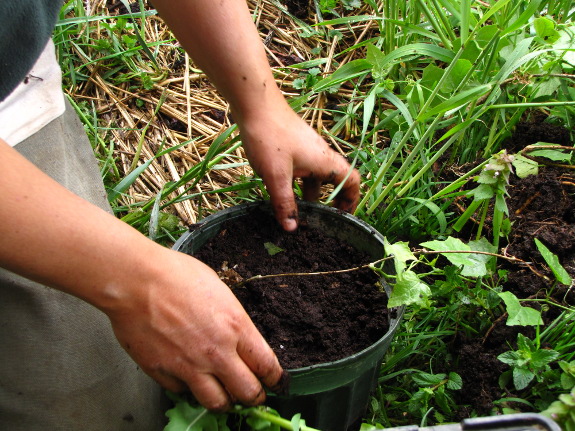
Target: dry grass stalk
[{"x": 193, "y": 109}]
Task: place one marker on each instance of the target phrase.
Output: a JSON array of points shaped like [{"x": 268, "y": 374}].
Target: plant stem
[
  {"x": 509, "y": 258},
  {"x": 296, "y": 274},
  {"x": 277, "y": 420}
]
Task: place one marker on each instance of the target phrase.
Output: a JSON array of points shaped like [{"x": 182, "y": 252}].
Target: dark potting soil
[
  {"x": 305, "y": 319},
  {"x": 540, "y": 206}
]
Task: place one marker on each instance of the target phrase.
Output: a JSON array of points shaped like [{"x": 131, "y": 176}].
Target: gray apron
[{"x": 61, "y": 367}]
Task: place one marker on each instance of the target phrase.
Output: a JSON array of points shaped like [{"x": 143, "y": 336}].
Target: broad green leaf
[
  {"x": 272, "y": 249},
  {"x": 524, "y": 166},
  {"x": 483, "y": 245},
  {"x": 455, "y": 381},
  {"x": 545, "y": 29},
  {"x": 519, "y": 315},
  {"x": 524, "y": 344},
  {"x": 553, "y": 261},
  {"x": 479, "y": 268},
  {"x": 377, "y": 60},
  {"x": 426, "y": 379},
  {"x": 471, "y": 50},
  {"x": 551, "y": 154},
  {"x": 458, "y": 72},
  {"x": 484, "y": 35},
  {"x": 431, "y": 76},
  {"x": 409, "y": 289},
  {"x": 522, "y": 377},
  {"x": 482, "y": 192},
  {"x": 509, "y": 358},
  {"x": 500, "y": 204},
  {"x": 542, "y": 357},
  {"x": 473, "y": 265},
  {"x": 401, "y": 254}
]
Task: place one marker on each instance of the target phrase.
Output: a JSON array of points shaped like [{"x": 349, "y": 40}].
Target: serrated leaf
[
  {"x": 554, "y": 264},
  {"x": 524, "y": 166},
  {"x": 500, "y": 204},
  {"x": 377, "y": 60},
  {"x": 426, "y": 379},
  {"x": 442, "y": 400},
  {"x": 455, "y": 381},
  {"x": 409, "y": 289},
  {"x": 509, "y": 358},
  {"x": 272, "y": 249},
  {"x": 519, "y": 315},
  {"x": 542, "y": 357},
  {"x": 522, "y": 377},
  {"x": 482, "y": 192}
]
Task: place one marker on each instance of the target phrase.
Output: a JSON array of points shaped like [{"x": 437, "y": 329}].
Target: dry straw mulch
[{"x": 193, "y": 109}]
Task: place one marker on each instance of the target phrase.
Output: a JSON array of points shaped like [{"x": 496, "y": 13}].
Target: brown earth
[
  {"x": 540, "y": 206},
  {"x": 305, "y": 319}
]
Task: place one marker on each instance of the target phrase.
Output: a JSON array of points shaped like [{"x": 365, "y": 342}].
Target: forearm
[
  {"x": 223, "y": 41},
  {"x": 52, "y": 236}
]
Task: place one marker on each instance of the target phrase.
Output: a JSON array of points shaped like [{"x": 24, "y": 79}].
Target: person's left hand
[{"x": 281, "y": 147}]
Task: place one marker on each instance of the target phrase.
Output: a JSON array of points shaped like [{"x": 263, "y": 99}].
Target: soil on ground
[
  {"x": 540, "y": 206},
  {"x": 306, "y": 319}
]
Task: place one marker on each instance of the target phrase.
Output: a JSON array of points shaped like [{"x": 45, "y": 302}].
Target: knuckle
[
  {"x": 254, "y": 394},
  {"x": 217, "y": 405}
]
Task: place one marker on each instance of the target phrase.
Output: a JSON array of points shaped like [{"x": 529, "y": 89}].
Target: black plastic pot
[{"x": 330, "y": 396}]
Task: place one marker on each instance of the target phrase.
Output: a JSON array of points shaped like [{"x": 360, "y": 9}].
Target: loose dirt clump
[{"x": 305, "y": 319}]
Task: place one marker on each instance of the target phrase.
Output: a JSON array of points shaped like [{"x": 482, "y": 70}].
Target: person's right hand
[
  {"x": 172, "y": 313},
  {"x": 186, "y": 329}
]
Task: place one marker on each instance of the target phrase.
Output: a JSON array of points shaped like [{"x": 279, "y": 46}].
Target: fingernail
[{"x": 289, "y": 224}]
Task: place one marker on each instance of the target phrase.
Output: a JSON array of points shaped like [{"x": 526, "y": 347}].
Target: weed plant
[{"x": 420, "y": 96}]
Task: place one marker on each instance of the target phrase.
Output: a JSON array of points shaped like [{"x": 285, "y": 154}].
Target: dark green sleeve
[{"x": 25, "y": 27}]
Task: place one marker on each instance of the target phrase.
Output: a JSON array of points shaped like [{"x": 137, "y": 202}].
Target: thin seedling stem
[{"x": 302, "y": 274}]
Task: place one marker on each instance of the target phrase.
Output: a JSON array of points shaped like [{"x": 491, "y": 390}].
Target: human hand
[
  {"x": 281, "y": 147},
  {"x": 187, "y": 330}
]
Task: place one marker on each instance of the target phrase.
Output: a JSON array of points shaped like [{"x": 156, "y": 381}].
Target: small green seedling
[
  {"x": 528, "y": 362},
  {"x": 435, "y": 389},
  {"x": 272, "y": 249}
]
